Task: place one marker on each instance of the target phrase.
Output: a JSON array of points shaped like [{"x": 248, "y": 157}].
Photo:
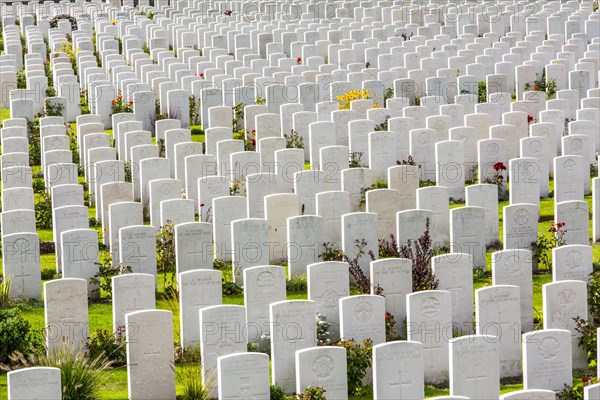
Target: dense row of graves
[{"x": 304, "y": 106}]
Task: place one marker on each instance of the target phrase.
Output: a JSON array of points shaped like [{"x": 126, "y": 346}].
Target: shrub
[
  {"x": 43, "y": 211},
  {"x": 189, "y": 379},
  {"x": 5, "y": 293},
  {"x": 109, "y": 344},
  {"x": 293, "y": 140},
  {"x": 165, "y": 248},
  {"x": 332, "y": 253},
  {"x": 297, "y": 283},
  {"x": 419, "y": 251},
  {"x": 15, "y": 334},
  {"x": 48, "y": 274},
  {"x": 358, "y": 358},
  {"x": 105, "y": 272},
  {"x": 323, "y": 334},
  {"x": 231, "y": 289},
  {"x": 588, "y": 328},
  {"x": 312, "y": 393},
  {"x": 277, "y": 393},
  {"x": 47, "y": 247}
]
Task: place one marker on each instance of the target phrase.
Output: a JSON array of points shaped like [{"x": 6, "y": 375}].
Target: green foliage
[
  {"x": 189, "y": 379},
  {"x": 121, "y": 106},
  {"x": 189, "y": 355},
  {"x": 196, "y": 130},
  {"x": 109, "y": 344},
  {"x": 48, "y": 274},
  {"x": 482, "y": 92},
  {"x": 106, "y": 271},
  {"x": 378, "y": 184},
  {"x": 165, "y": 248},
  {"x": 238, "y": 116},
  {"x": 16, "y": 334},
  {"x": 35, "y": 147},
  {"x": 260, "y": 100},
  {"x": 358, "y": 358},
  {"x": 312, "y": 393},
  {"x": 231, "y": 289},
  {"x": 388, "y": 94},
  {"x": 293, "y": 140},
  {"x": 570, "y": 393},
  {"x": 543, "y": 85},
  {"x": 5, "y": 293},
  {"x": 128, "y": 176},
  {"x": 277, "y": 393},
  {"x": 588, "y": 328},
  {"x": 542, "y": 248},
  {"x": 43, "y": 211},
  {"x": 323, "y": 334},
  {"x": 297, "y": 283},
  {"x": 355, "y": 159},
  {"x": 21, "y": 80},
  {"x": 52, "y": 108},
  {"x": 390, "y": 324},
  {"x": 332, "y": 253},
  {"x": 194, "y": 110},
  {"x": 383, "y": 126}
]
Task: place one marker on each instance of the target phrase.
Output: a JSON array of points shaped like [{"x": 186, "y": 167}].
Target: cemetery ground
[{"x": 100, "y": 312}]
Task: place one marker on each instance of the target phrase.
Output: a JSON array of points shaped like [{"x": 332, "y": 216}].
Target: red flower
[
  {"x": 253, "y": 142},
  {"x": 530, "y": 118},
  {"x": 560, "y": 224},
  {"x": 114, "y": 102},
  {"x": 201, "y": 74},
  {"x": 499, "y": 166},
  {"x": 552, "y": 229},
  {"x": 119, "y": 97},
  {"x": 130, "y": 102},
  {"x": 228, "y": 12},
  {"x": 253, "y": 131},
  {"x": 536, "y": 87},
  {"x": 585, "y": 379},
  {"x": 201, "y": 204}
]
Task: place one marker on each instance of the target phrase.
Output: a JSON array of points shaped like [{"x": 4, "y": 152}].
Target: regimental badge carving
[
  {"x": 265, "y": 280},
  {"x": 548, "y": 348},
  {"x": 430, "y": 307},
  {"x": 521, "y": 217},
  {"x": 569, "y": 165},
  {"x": 323, "y": 367},
  {"x": 535, "y": 146},
  {"x": 493, "y": 149},
  {"x": 573, "y": 259},
  {"x": 363, "y": 312},
  {"x": 567, "y": 296}
]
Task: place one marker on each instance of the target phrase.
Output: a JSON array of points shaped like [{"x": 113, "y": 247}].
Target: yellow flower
[{"x": 113, "y": 22}]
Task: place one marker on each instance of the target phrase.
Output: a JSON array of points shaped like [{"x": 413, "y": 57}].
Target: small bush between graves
[
  {"x": 43, "y": 211},
  {"x": 297, "y": 283},
  {"x": 588, "y": 328},
  {"x": 105, "y": 272},
  {"x": 110, "y": 344},
  {"x": 16, "y": 334},
  {"x": 358, "y": 358},
  {"x": 190, "y": 380}
]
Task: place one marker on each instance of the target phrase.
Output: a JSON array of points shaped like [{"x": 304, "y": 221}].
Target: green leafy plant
[
  {"x": 542, "y": 248},
  {"x": 277, "y": 393},
  {"x": 379, "y": 184},
  {"x": 109, "y": 344},
  {"x": 231, "y": 289},
  {"x": 297, "y": 283},
  {"x": 82, "y": 376},
  {"x": 194, "y": 110},
  {"x": 21, "y": 80},
  {"x": 238, "y": 116},
  {"x": 106, "y": 271},
  {"x": 570, "y": 393},
  {"x": 358, "y": 358},
  {"x": 16, "y": 334},
  {"x": 312, "y": 393},
  {"x": 542, "y": 85},
  {"x": 384, "y": 125},
  {"x": 482, "y": 92},
  {"x": 5, "y": 293},
  {"x": 355, "y": 159},
  {"x": 165, "y": 248},
  {"x": 332, "y": 253},
  {"x": 260, "y": 100},
  {"x": 388, "y": 94},
  {"x": 293, "y": 140},
  {"x": 588, "y": 328},
  {"x": 121, "y": 106},
  {"x": 323, "y": 334},
  {"x": 43, "y": 211},
  {"x": 390, "y": 324},
  {"x": 53, "y": 108},
  {"x": 189, "y": 379}
]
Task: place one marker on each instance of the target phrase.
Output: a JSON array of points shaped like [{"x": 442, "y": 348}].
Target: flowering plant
[
  {"x": 121, "y": 106},
  {"x": 299, "y": 60}
]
